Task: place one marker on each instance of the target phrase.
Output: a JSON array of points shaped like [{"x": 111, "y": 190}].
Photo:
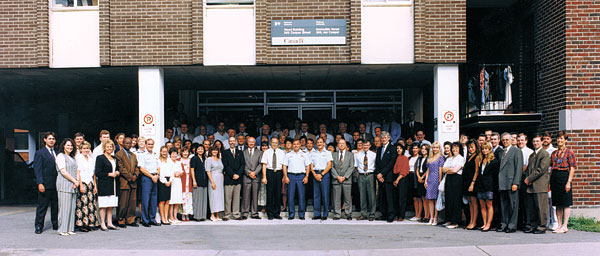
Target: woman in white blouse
[
  {"x": 86, "y": 211},
  {"x": 176, "y": 192},
  {"x": 454, "y": 184}
]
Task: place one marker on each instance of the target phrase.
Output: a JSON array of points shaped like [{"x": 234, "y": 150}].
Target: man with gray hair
[
  {"x": 384, "y": 168},
  {"x": 509, "y": 179}
]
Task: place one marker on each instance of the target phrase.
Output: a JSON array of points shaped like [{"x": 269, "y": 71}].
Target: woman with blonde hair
[
  {"x": 164, "y": 185},
  {"x": 87, "y": 199},
  {"x": 486, "y": 168},
  {"x": 106, "y": 171},
  {"x": 433, "y": 176}
]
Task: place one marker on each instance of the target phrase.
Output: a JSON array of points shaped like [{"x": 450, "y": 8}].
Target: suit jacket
[
  {"x": 233, "y": 166},
  {"x": 346, "y": 168},
  {"x": 498, "y": 153},
  {"x": 368, "y": 137},
  {"x": 308, "y": 136},
  {"x": 385, "y": 165},
  {"x": 128, "y": 167},
  {"x": 511, "y": 169},
  {"x": 486, "y": 182},
  {"x": 44, "y": 168},
  {"x": 537, "y": 172},
  {"x": 407, "y": 132},
  {"x": 106, "y": 184},
  {"x": 252, "y": 164}
]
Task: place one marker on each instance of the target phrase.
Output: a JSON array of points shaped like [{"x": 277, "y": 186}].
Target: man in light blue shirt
[
  {"x": 296, "y": 167},
  {"x": 321, "y": 165},
  {"x": 148, "y": 164}
]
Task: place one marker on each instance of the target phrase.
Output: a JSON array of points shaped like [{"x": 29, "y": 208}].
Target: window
[
  {"x": 21, "y": 141},
  {"x": 74, "y": 3},
  {"x": 229, "y": 2}
]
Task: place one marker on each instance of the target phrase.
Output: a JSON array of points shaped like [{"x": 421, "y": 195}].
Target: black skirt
[
  {"x": 468, "y": 174},
  {"x": 453, "y": 193},
  {"x": 164, "y": 192},
  {"x": 420, "y": 190},
  {"x": 558, "y": 181}
]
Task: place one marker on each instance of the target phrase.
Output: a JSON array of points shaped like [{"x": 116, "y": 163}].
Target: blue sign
[{"x": 308, "y": 32}]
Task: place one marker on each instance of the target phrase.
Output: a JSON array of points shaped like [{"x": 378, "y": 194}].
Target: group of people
[{"x": 233, "y": 175}]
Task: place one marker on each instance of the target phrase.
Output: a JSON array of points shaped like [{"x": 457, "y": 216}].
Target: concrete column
[
  {"x": 152, "y": 104},
  {"x": 445, "y": 101}
]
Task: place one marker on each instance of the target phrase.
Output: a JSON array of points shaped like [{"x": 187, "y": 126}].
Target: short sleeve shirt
[
  {"x": 267, "y": 158},
  {"x": 563, "y": 161},
  {"x": 296, "y": 162},
  {"x": 320, "y": 159},
  {"x": 150, "y": 162}
]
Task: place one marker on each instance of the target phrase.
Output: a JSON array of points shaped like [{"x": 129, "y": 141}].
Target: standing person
[
  {"x": 420, "y": 172},
  {"x": 165, "y": 175},
  {"x": 67, "y": 183},
  {"x": 447, "y": 148},
  {"x": 86, "y": 212},
  {"x": 433, "y": 176},
  {"x": 411, "y": 180},
  {"x": 221, "y": 134},
  {"x": 321, "y": 166},
  {"x": 79, "y": 138},
  {"x": 401, "y": 170},
  {"x": 201, "y": 135},
  {"x": 200, "y": 184},
  {"x": 233, "y": 162},
  {"x": 272, "y": 161},
  {"x": 103, "y": 137},
  {"x": 185, "y": 132},
  {"x": 364, "y": 162},
  {"x": 106, "y": 171},
  {"x": 296, "y": 168},
  {"x": 498, "y": 151},
  {"x": 453, "y": 168},
  {"x": 262, "y": 191},
  {"x": 343, "y": 128},
  {"x": 176, "y": 199},
  {"x": 169, "y": 135},
  {"x": 119, "y": 138},
  {"x": 509, "y": 178},
  {"x": 128, "y": 166},
  {"x": 216, "y": 194},
  {"x": 45, "y": 176},
  {"x": 487, "y": 171},
  {"x": 364, "y": 134},
  {"x": 149, "y": 162},
  {"x": 187, "y": 208},
  {"x": 304, "y": 132},
  {"x": 251, "y": 180},
  {"x": 563, "y": 169},
  {"x": 526, "y": 151},
  {"x": 342, "y": 172},
  {"x": 410, "y": 128},
  {"x": 384, "y": 167},
  {"x": 552, "y": 218},
  {"x": 469, "y": 179},
  {"x": 536, "y": 182}
]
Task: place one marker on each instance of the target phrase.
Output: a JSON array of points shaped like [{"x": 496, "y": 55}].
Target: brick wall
[
  {"x": 582, "y": 91},
  {"x": 150, "y": 32},
  {"x": 440, "y": 31},
  {"x": 23, "y": 33},
  {"x": 104, "y": 30},
  {"x": 267, "y": 10}
]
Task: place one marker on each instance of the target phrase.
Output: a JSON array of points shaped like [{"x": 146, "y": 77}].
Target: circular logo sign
[
  {"x": 448, "y": 116},
  {"x": 148, "y": 119}
]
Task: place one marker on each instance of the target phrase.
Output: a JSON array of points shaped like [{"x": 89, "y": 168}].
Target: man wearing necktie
[
  {"x": 272, "y": 160},
  {"x": 45, "y": 176},
  {"x": 509, "y": 179},
  {"x": 384, "y": 165},
  {"x": 233, "y": 164},
  {"x": 343, "y": 168},
  {"x": 364, "y": 162},
  {"x": 252, "y": 177},
  {"x": 128, "y": 167}
]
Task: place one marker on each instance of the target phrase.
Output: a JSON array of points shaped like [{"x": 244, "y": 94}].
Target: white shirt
[
  {"x": 424, "y": 142},
  {"x": 85, "y": 167},
  {"x": 149, "y": 161},
  {"x": 166, "y": 170},
  {"x": 199, "y": 139},
  {"x": 550, "y": 149},
  {"x": 455, "y": 161},
  {"x": 348, "y": 138},
  {"x": 328, "y": 140},
  {"x": 296, "y": 162},
  {"x": 223, "y": 138},
  {"x": 320, "y": 159},
  {"x": 97, "y": 151},
  {"x": 267, "y": 158},
  {"x": 359, "y": 163},
  {"x": 526, "y": 152},
  {"x": 411, "y": 163}
]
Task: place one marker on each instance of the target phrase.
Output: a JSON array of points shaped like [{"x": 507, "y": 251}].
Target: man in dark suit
[
  {"x": 536, "y": 182},
  {"x": 410, "y": 128},
  {"x": 384, "y": 169},
  {"x": 498, "y": 151},
  {"x": 362, "y": 129},
  {"x": 509, "y": 178},
  {"x": 252, "y": 178},
  {"x": 304, "y": 132},
  {"x": 128, "y": 167},
  {"x": 233, "y": 163},
  {"x": 45, "y": 176}
]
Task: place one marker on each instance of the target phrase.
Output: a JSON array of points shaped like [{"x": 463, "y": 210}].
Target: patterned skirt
[
  {"x": 188, "y": 207},
  {"x": 85, "y": 211}
]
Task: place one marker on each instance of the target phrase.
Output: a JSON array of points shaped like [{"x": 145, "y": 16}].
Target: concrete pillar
[
  {"x": 152, "y": 104},
  {"x": 445, "y": 101}
]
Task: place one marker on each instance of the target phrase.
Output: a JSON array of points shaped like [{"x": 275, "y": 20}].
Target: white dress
[{"x": 176, "y": 191}]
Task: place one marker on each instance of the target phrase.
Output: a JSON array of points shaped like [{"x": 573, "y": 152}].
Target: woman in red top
[
  {"x": 563, "y": 169},
  {"x": 401, "y": 168}
]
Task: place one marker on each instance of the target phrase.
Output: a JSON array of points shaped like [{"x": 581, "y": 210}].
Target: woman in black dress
[
  {"x": 563, "y": 169},
  {"x": 469, "y": 182},
  {"x": 453, "y": 168},
  {"x": 106, "y": 170},
  {"x": 487, "y": 169},
  {"x": 420, "y": 172}
]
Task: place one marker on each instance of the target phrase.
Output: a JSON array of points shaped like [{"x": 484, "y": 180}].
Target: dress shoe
[
  {"x": 145, "y": 224},
  {"x": 336, "y": 218},
  {"x": 270, "y": 218},
  {"x": 277, "y": 217},
  {"x": 255, "y": 217},
  {"x": 244, "y": 218},
  {"x": 290, "y": 218},
  {"x": 225, "y": 219},
  {"x": 324, "y": 218},
  {"x": 349, "y": 218},
  {"x": 166, "y": 223},
  {"x": 122, "y": 225},
  {"x": 113, "y": 228},
  {"x": 399, "y": 219},
  {"x": 501, "y": 230},
  {"x": 510, "y": 230},
  {"x": 537, "y": 232},
  {"x": 38, "y": 230},
  {"x": 371, "y": 219},
  {"x": 316, "y": 218},
  {"x": 528, "y": 230},
  {"x": 485, "y": 230},
  {"x": 155, "y": 224},
  {"x": 55, "y": 227},
  {"x": 361, "y": 218},
  {"x": 381, "y": 218},
  {"x": 133, "y": 225},
  {"x": 71, "y": 233},
  {"x": 302, "y": 218},
  {"x": 390, "y": 220}
]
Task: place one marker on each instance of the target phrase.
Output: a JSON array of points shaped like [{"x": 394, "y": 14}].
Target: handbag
[
  {"x": 442, "y": 185},
  {"x": 440, "y": 204}
]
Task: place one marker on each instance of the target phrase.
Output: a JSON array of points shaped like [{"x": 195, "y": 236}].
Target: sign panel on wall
[
  {"x": 449, "y": 123},
  {"x": 308, "y": 32},
  {"x": 148, "y": 126}
]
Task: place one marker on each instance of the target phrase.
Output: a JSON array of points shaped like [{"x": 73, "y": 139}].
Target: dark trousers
[
  {"x": 536, "y": 206},
  {"x": 522, "y": 217},
  {"x": 387, "y": 193},
  {"x": 321, "y": 192},
  {"x": 497, "y": 210},
  {"x": 509, "y": 201},
  {"x": 149, "y": 200},
  {"x": 48, "y": 198},
  {"x": 274, "y": 193},
  {"x": 296, "y": 185},
  {"x": 403, "y": 190},
  {"x": 127, "y": 204}
]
